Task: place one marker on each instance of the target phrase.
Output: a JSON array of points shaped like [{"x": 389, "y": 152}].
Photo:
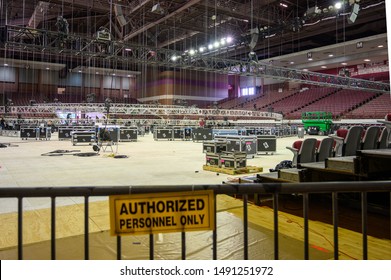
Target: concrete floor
[{"x": 149, "y": 162}]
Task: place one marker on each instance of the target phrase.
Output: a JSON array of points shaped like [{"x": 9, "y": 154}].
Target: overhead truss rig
[
  {"x": 55, "y": 43},
  {"x": 138, "y": 110}
]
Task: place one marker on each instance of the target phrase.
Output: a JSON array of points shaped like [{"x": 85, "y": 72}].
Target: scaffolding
[{"x": 28, "y": 40}]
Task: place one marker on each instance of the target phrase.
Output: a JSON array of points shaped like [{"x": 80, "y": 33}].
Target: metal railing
[{"x": 274, "y": 189}]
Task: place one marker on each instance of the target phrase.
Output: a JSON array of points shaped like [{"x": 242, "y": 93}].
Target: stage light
[
  {"x": 174, "y": 58},
  {"x": 216, "y": 44},
  {"x": 202, "y": 49},
  {"x": 229, "y": 39},
  {"x": 192, "y": 52},
  {"x": 210, "y": 46},
  {"x": 338, "y": 5}
]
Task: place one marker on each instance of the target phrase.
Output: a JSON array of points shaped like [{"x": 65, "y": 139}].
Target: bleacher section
[
  {"x": 339, "y": 103},
  {"x": 301, "y": 99},
  {"x": 262, "y": 101},
  {"x": 374, "y": 109}
]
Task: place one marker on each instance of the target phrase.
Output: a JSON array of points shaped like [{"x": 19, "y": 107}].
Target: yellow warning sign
[{"x": 162, "y": 212}]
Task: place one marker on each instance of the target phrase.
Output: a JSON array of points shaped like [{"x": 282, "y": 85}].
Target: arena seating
[
  {"x": 301, "y": 99},
  {"x": 370, "y": 138},
  {"x": 338, "y": 104},
  {"x": 377, "y": 108},
  {"x": 348, "y": 141},
  {"x": 324, "y": 149},
  {"x": 383, "y": 138},
  {"x": 303, "y": 151}
]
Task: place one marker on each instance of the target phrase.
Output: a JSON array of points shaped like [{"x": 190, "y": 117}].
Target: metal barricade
[{"x": 275, "y": 189}]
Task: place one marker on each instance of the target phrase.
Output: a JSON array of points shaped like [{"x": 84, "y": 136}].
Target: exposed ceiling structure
[{"x": 279, "y": 31}]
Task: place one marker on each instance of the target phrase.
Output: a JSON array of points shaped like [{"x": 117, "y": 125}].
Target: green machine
[{"x": 317, "y": 123}]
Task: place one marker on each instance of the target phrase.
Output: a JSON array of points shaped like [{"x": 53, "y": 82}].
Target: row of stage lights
[
  {"x": 212, "y": 46},
  {"x": 224, "y": 41}
]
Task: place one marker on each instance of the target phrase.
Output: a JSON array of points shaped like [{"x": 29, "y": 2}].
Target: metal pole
[
  {"x": 306, "y": 236},
  {"x": 183, "y": 239},
  {"x": 275, "y": 213},
  {"x": 215, "y": 231},
  {"x": 86, "y": 229},
  {"x": 335, "y": 223},
  {"x": 20, "y": 228},
  {"x": 119, "y": 251},
  {"x": 245, "y": 226},
  {"x": 151, "y": 247},
  {"x": 364, "y": 217},
  {"x": 53, "y": 228}
]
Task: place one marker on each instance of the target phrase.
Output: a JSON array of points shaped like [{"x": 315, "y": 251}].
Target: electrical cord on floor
[
  {"x": 60, "y": 152},
  {"x": 89, "y": 154},
  {"x": 5, "y": 145}
]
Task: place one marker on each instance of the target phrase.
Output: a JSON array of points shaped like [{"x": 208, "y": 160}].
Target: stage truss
[
  {"x": 138, "y": 110},
  {"x": 35, "y": 41}
]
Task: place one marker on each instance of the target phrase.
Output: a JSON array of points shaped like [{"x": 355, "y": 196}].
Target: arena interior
[{"x": 281, "y": 108}]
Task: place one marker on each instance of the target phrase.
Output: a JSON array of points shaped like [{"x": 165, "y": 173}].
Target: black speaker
[
  {"x": 119, "y": 15},
  {"x": 62, "y": 74},
  {"x": 3, "y": 34},
  {"x": 254, "y": 38}
]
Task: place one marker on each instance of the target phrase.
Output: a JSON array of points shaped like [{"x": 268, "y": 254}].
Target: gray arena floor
[{"x": 149, "y": 162}]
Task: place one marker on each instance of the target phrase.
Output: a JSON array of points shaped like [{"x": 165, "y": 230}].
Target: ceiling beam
[
  {"x": 152, "y": 24},
  {"x": 240, "y": 11},
  {"x": 94, "y": 5}
]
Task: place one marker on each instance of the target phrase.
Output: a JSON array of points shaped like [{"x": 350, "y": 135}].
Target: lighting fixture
[
  {"x": 367, "y": 60},
  {"x": 229, "y": 39},
  {"x": 331, "y": 55},
  {"x": 174, "y": 58},
  {"x": 202, "y": 49},
  {"x": 380, "y": 46},
  {"x": 210, "y": 46},
  {"x": 283, "y": 5},
  {"x": 216, "y": 44},
  {"x": 344, "y": 63},
  {"x": 338, "y": 5},
  {"x": 192, "y": 52},
  {"x": 323, "y": 67}
]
